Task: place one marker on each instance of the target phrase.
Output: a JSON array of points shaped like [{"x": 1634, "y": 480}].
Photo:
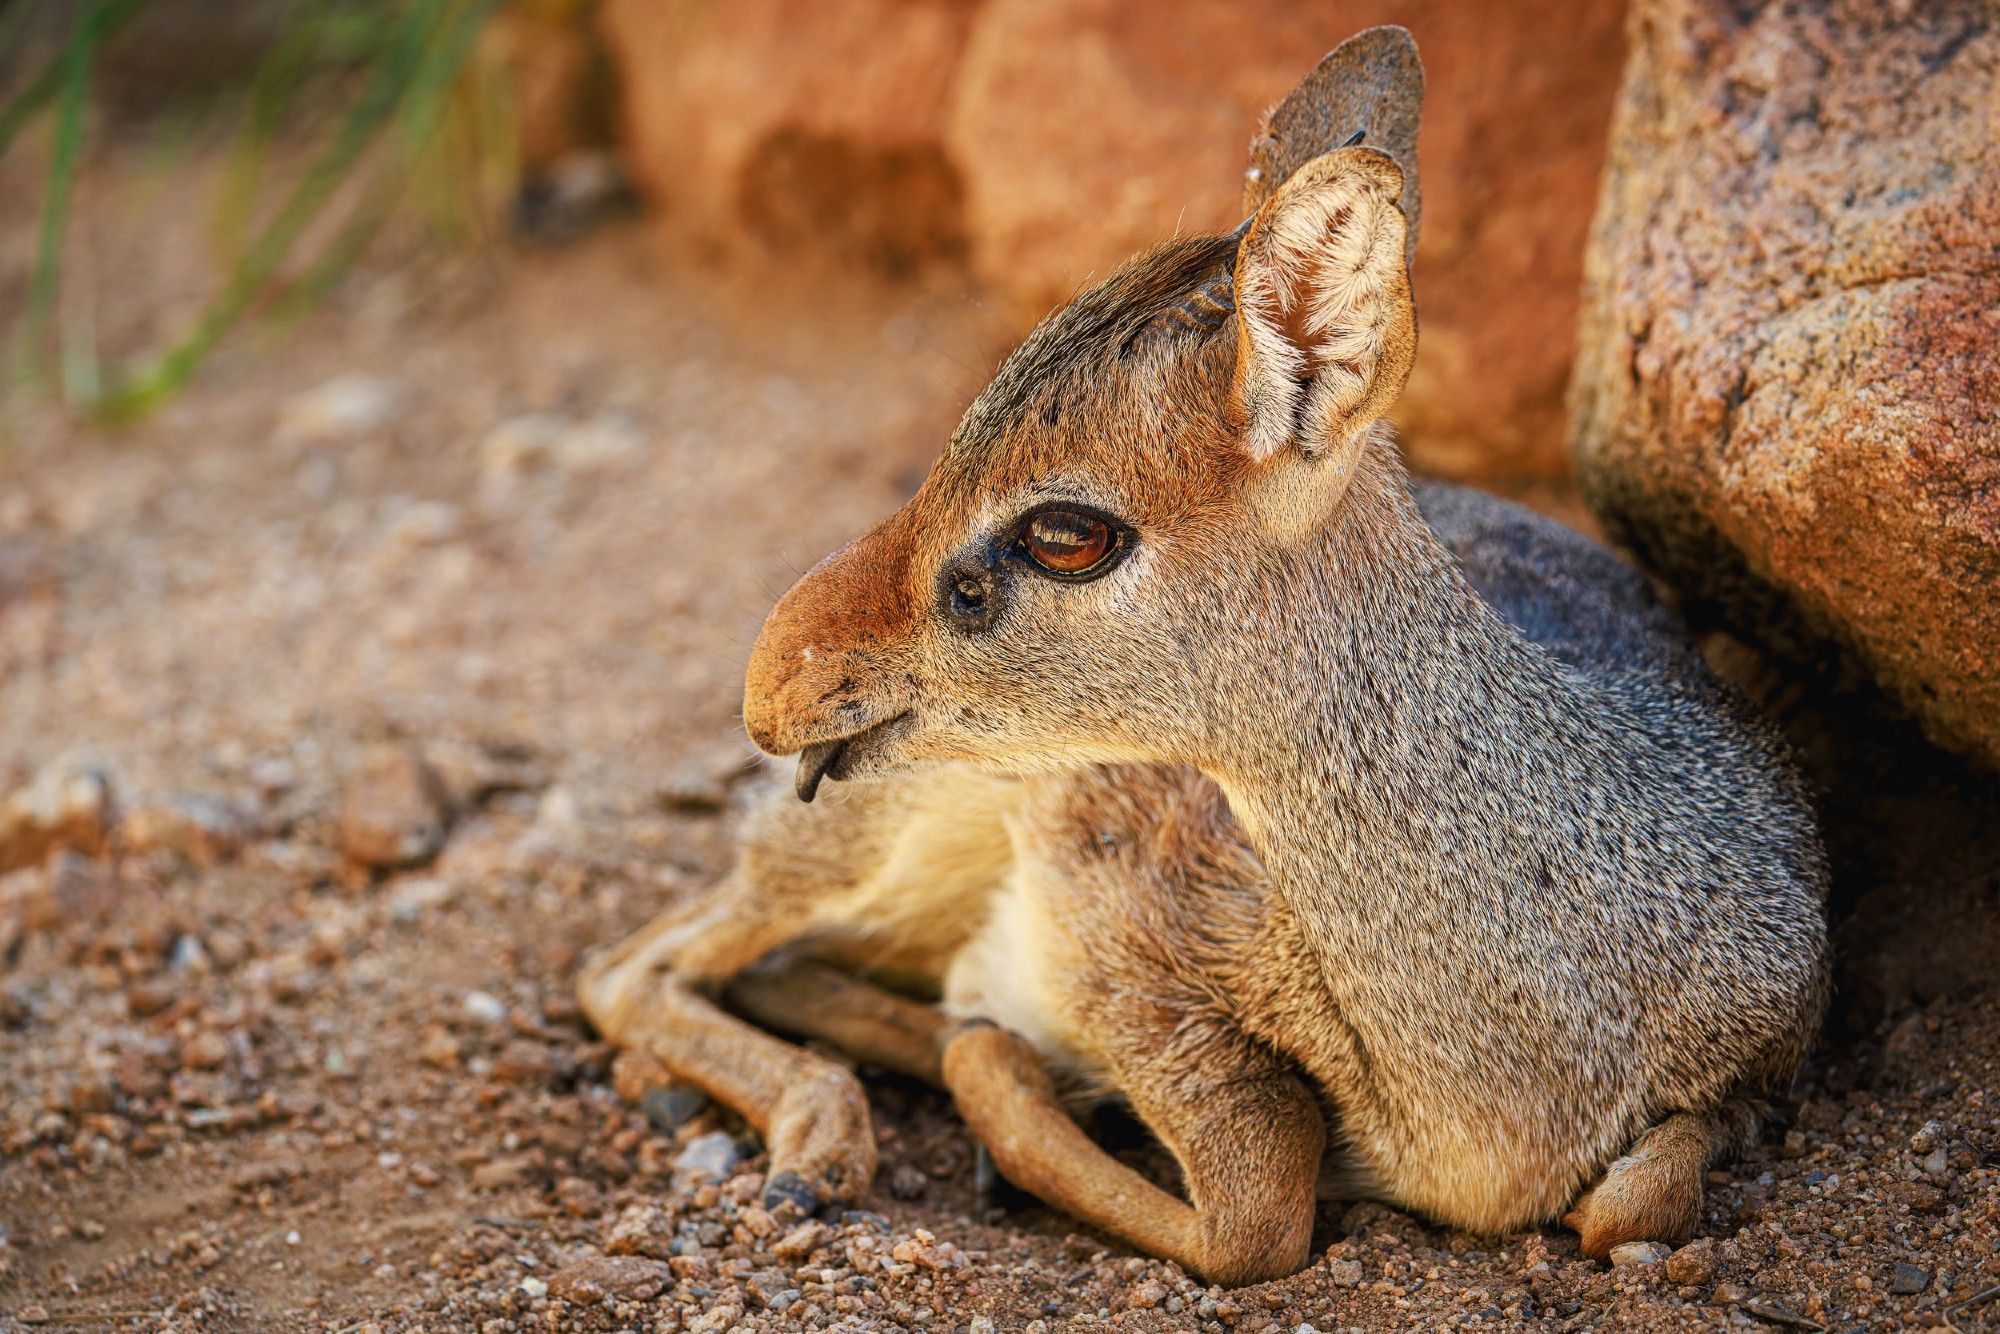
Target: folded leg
[
  {"x": 1247, "y": 1134},
  {"x": 1654, "y": 1192},
  {"x": 809, "y": 998},
  {"x": 647, "y": 994}
]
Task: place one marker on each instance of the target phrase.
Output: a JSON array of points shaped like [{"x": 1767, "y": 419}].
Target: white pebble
[
  {"x": 1639, "y": 1253},
  {"x": 485, "y": 1007}
]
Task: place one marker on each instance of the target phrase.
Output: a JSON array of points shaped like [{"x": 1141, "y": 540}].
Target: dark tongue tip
[{"x": 815, "y": 762}]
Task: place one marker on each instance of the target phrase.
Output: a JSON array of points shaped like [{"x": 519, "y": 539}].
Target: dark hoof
[
  {"x": 791, "y": 1188},
  {"x": 668, "y": 1109}
]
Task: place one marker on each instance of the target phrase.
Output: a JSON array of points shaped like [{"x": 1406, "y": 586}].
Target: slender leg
[
  {"x": 1654, "y": 1192},
  {"x": 704, "y": 941},
  {"x": 812, "y": 999},
  {"x": 1249, "y": 1140},
  {"x": 643, "y": 995}
]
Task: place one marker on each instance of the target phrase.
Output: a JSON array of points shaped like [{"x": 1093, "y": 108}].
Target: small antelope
[{"x": 1378, "y": 839}]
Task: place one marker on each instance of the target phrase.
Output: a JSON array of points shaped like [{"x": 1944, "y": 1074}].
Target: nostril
[{"x": 968, "y": 597}]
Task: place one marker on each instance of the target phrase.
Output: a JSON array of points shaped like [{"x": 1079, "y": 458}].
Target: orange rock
[
  {"x": 1045, "y": 142},
  {"x": 394, "y": 810},
  {"x": 1790, "y": 357},
  {"x": 1088, "y": 131},
  {"x": 803, "y": 127},
  {"x": 69, "y": 806}
]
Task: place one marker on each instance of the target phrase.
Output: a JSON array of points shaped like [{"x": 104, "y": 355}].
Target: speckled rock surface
[{"x": 1787, "y": 397}]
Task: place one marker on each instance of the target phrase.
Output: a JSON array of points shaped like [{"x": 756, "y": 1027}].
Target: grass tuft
[{"x": 418, "y": 130}]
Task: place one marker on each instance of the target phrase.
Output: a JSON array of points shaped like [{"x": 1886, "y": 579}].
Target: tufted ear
[
  {"x": 1326, "y": 331},
  {"x": 1371, "y": 84}
]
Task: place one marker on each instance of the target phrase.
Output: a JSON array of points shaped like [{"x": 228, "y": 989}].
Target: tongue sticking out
[{"x": 816, "y": 762}]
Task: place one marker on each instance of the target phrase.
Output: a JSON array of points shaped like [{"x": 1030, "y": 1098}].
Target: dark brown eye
[{"x": 1066, "y": 542}]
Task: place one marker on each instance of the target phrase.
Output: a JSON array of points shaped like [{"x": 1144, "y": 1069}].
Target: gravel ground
[{"x": 345, "y": 704}]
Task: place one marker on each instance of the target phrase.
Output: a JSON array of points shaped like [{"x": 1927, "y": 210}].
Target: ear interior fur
[{"x": 1326, "y": 330}]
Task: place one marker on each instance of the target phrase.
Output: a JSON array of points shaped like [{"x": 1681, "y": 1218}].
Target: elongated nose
[{"x": 830, "y": 644}]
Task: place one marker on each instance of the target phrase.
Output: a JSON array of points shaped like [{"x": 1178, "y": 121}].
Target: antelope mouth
[{"x": 837, "y": 758}]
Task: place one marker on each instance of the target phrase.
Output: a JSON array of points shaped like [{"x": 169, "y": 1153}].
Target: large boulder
[
  {"x": 795, "y": 126},
  {"x": 1043, "y": 141},
  {"x": 1787, "y": 395}
]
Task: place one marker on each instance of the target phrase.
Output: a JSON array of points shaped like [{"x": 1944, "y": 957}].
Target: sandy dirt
[{"x": 523, "y": 516}]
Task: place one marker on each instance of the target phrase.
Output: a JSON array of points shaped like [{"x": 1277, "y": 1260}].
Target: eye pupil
[{"x": 1066, "y": 542}]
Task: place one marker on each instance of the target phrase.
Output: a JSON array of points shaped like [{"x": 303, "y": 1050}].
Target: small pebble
[
  {"x": 1692, "y": 1263},
  {"x": 669, "y": 1108},
  {"x": 801, "y": 1241},
  {"x": 485, "y": 1007},
  {"x": 340, "y": 409},
  {"x": 908, "y": 1182},
  {"x": 620, "y": 1277},
  {"x": 707, "y": 1157},
  {"x": 1639, "y": 1253},
  {"x": 393, "y": 811}
]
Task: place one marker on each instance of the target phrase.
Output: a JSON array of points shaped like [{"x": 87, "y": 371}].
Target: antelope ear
[
  {"x": 1373, "y": 84},
  {"x": 1326, "y": 332}
]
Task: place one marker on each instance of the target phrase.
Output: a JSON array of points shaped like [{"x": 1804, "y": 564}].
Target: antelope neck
[{"x": 1395, "y": 729}]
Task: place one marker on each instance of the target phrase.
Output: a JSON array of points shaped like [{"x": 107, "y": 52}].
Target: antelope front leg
[
  {"x": 810, "y": 998},
  {"x": 1249, "y": 1146},
  {"x": 645, "y": 995}
]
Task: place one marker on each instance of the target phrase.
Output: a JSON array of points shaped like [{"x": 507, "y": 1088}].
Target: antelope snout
[
  {"x": 796, "y": 693},
  {"x": 821, "y": 660}
]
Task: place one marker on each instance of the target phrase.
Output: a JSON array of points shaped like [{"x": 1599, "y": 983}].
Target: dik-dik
[{"x": 1197, "y": 758}]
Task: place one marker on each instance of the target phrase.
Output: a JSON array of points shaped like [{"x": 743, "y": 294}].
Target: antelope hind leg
[
  {"x": 1249, "y": 1150},
  {"x": 644, "y": 995},
  {"x": 1654, "y": 1192}
]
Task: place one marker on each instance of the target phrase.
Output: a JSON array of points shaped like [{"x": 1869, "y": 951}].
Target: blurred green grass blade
[
  {"x": 73, "y": 95},
  {"x": 425, "y": 134},
  {"x": 272, "y": 89},
  {"x": 429, "y": 93},
  {"x": 108, "y": 17},
  {"x": 81, "y": 375},
  {"x": 416, "y": 68}
]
